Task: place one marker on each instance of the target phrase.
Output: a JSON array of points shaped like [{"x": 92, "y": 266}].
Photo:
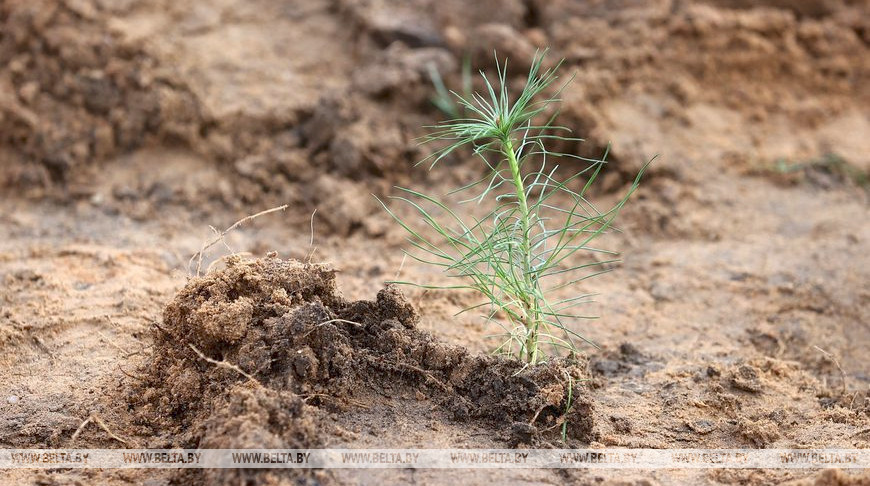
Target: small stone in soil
[
  {"x": 522, "y": 433},
  {"x": 746, "y": 379},
  {"x": 702, "y": 426}
]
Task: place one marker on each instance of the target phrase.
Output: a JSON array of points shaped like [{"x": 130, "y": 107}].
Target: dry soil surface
[{"x": 740, "y": 316}]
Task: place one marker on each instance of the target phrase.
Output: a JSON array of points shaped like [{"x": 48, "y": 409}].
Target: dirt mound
[{"x": 255, "y": 355}]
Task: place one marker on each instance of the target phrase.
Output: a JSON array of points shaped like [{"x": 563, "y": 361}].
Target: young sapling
[{"x": 537, "y": 226}]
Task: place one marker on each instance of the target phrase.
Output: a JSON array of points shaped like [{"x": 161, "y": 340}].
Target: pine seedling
[{"x": 530, "y": 244}]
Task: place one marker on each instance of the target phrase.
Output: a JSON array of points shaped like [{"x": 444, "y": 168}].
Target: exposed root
[
  {"x": 97, "y": 420},
  {"x": 115, "y": 345},
  {"x": 220, "y": 237},
  {"x": 223, "y": 364},
  {"x": 130, "y": 375},
  {"x": 837, "y": 364}
]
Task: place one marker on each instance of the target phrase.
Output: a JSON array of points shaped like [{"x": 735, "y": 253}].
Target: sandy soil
[{"x": 739, "y": 318}]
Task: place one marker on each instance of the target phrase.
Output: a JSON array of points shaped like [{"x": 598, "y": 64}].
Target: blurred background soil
[{"x": 739, "y": 318}]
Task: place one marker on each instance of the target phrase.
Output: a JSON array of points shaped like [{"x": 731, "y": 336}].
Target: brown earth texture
[{"x": 739, "y": 316}]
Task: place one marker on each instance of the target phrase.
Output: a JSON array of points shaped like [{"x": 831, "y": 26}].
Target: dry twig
[
  {"x": 836, "y": 363},
  {"x": 220, "y": 237},
  {"x": 97, "y": 420},
  {"x": 223, "y": 364}
]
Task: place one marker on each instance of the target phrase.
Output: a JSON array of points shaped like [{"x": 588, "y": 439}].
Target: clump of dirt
[
  {"x": 75, "y": 92},
  {"x": 256, "y": 354}
]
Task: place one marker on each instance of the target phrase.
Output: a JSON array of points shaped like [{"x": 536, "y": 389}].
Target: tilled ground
[{"x": 739, "y": 318}]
